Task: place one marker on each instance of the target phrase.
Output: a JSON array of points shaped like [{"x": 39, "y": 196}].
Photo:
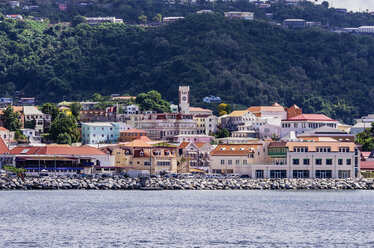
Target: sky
[{"x": 354, "y": 5}]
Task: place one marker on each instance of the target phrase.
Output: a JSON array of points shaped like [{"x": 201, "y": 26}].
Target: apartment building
[{"x": 102, "y": 132}]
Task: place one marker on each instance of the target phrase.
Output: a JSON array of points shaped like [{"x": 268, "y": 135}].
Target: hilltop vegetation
[{"x": 243, "y": 62}]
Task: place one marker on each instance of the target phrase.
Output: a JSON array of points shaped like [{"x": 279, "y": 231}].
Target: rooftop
[
  {"x": 133, "y": 130},
  {"x": 310, "y": 117},
  {"x": 238, "y": 113},
  {"x": 234, "y": 149}
]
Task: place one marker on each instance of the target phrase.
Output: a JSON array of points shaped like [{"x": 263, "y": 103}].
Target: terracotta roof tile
[
  {"x": 310, "y": 117},
  {"x": 3, "y": 147},
  {"x": 234, "y": 149}
]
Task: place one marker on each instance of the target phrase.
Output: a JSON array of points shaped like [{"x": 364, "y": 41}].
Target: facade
[
  {"x": 237, "y": 118},
  {"x": 200, "y": 111},
  {"x": 172, "y": 18},
  {"x": 42, "y": 121},
  {"x": 196, "y": 155},
  {"x": 139, "y": 155},
  {"x": 28, "y": 132},
  {"x": 27, "y": 101},
  {"x": 131, "y": 134},
  {"x": 102, "y": 132},
  {"x": 366, "y": 30},
  {"x": 164, "y": 126},
  {"x": 329, "y": 132},
  {"x": 212, "y": 99},
  {"x": 306, "y": 122},
  {"x": 239, "y": 15},
  {"x": 60, "y": 160},
  {"x": 6, "y": 135},
  {"x": 199, "y": 138},
  {"x": 97, "y": 116},
  {"x": 206, "y": 124},
  {"x": 294, "y": 23},
  {"x": 98, "y": 20}
]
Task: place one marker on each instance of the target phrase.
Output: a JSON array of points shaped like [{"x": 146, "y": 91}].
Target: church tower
[{"x": 184, "y": 99}]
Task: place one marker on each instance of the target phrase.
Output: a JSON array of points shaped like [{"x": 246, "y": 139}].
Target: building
[
  {"x": 139, "y": 155},
  {"x": 294, "y": 23},
  {"x": 174, "y": 108},
  {"x": 65, "y": 110},
  {"x": 42, "y": 121},
  {"x": 206, "y": 124},
  {"x": 200, "y": 111},
  {"x": 238, "y": 158},
  {"x": 362, "y": 123},
  {"x": 330, "y": 132},
  {"x": 5, "y": 101},
  {"x": 204, "y": 11},
  {"x": 196, "y": 155},
  {"x": 97, "y": 116},
  {"x": 305, "y": 122},
  {"x": 14, "y": 4},
  {"x": 60, "y": 160},
  {"x": 239, "y": 15},
  {"x": 101, "y": 132},
  {"x": 340, "y": 10},
  {"x": 184, "y": 99},
  {"x": 172, "y": 18},
  {"x": 199, "y": 138},
  {"x": 98, "y": 20},
  {"x": 212, "y": 99},
  {"x": 130, "y": 109},
  {"x": 131, "y": 134},
  {"x": 14, "y": 17},
  {"x": 6, "y": 158},
  {"x": 27, "y": 101},
  {"x": 124, "y": 98},
  {"x": 6, "y": 135},
  {"x": 88, "y": 105},
  {"x": 237, "y": 118},
  {"x": 366, "y": 30}
]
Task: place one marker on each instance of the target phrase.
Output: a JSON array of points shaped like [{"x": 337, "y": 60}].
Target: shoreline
[{"x": 185, "y": 184}]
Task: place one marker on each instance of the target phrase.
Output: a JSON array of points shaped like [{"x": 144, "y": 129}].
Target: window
[
  {"x": 329, "y": 161},
  {"x": 348, "y": 161},
  {"x": 163, "y": 163},
  {"x": 306, "y": 161},
  {"x": 229, "y": 161},
  {"x": 344, "y": 174},
  {"x": 147, "y": 163},
  {"x": 300, "y": 174},
  {"x": 318, "y": 161},
  {"x": 323, "y": 174},
  {"x": 237, "y": 161},
  {"x": 296, "y": 161},
  {"x": 343, "y": 149},
  {"x": 244, "y": 161},
  {"x": 222, "y": 161},
  {"x": 340, "y": 161},
  {"x": 278, "y": 174}
]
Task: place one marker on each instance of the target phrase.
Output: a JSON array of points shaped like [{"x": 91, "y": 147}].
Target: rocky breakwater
[{"x": 184, "y": 184}]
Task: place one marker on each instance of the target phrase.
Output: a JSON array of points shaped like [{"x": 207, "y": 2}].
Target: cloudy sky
[{"x": 354, "y": 5}]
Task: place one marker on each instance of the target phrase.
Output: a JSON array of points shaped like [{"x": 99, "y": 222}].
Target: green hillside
[{"x": 244, "y": 62}]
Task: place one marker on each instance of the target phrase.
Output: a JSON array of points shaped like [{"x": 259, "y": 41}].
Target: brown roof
[
  {"x": 238, "y": 113},
  {"x": 3, "y": 129},
  {"x": 234, "y": 149},
  {"x": 313, "y": 145},
  {"x": 138, "y": 143},
  {"x": 367, "y": 165},
  {"x": 3, "y": 147},
  {"x": 183, "y": 145},
  {"x": 255, "y": 109},
  {"x": 278, "y": 144},
  {"x": 30, "y": 150},
  {"x": 199, "y": 144},
  {"x": 197, "y": 109}
]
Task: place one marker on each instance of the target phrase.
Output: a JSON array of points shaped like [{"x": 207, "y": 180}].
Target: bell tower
[{"x": 184, "y": 99}]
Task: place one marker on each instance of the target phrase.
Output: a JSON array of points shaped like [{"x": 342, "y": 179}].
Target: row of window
[
  {"x": 94, "y": 135},
  {"x": 320, "y": 149},
  {"x": 309, "y": 125},
  {"x": 303, "y": 174},
  {"x": 237, "y": 161},
  {"x": 318, "y": 161}
]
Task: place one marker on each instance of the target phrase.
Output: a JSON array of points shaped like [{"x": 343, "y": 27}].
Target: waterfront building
[
  {"x": 139, "y": 155},
  {"x": 60, "y": 160},
  {"x": 196, "y": 155},
  {"x": 102, "y": 132}
]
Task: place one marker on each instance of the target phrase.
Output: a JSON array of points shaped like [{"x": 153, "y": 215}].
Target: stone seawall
[{"x": 184, "y": 184}]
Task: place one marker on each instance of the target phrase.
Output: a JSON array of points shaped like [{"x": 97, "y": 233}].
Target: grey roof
[
  {"x": 323, "y": 130},
  {"x": 31, "y": 110}
]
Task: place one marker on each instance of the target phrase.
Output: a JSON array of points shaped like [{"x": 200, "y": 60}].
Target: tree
[
  {"x": 366, "y": 138},
  {"x": 224, "y": 108},
  {"x": 157, "y": 18},
  {"x": 325, "y": 4},
  {"x": 63, "y": 138},
  {"x": 223, "y": 112},
  {"x": 223, "y": 133},
  {"x": 78, "y": 20},
  {"x": 20, "y": 137},
  {"x": 11, "y": 119},
  {"x": 75, "y": 108},
  {"x": 64, "y": 126},
  {"x": 50, "y": 109},
  {"x": 30, "y": 124},
  {"x": 97, "y": 97},
  {"x": 143, "y": 19},
  {"x": 152, "y": 101}
]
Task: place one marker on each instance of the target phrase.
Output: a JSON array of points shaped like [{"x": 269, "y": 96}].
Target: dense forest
[
  {"x": 130, "y": 10},
  {"x": 243, "y": 62}
]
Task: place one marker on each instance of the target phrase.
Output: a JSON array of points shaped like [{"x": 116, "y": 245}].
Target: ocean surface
[{"x": 187, "y": 219}]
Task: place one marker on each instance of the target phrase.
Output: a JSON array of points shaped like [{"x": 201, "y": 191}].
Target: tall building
[{"x": 184, "y": 99}]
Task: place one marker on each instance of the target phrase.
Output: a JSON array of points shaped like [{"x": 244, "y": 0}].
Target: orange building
[{"x": 131, "y": 134}]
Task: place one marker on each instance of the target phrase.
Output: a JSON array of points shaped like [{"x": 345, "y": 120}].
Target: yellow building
[
  {"x": 65, "y": 110},
  {"x": 139, "y": 155}
]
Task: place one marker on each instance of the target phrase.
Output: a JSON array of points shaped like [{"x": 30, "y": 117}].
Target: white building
[
  {"x": 305, "y": 122},
  {"x": 98, "y": 20},
  {"x": 42, "y": 121},
  {"x": 366, "y": 30},
  {"x": 211, "y": 99},
  {"x": 102, "y": 132},
  {"x": 237, "y": 118},
  {"x": 184, "y": 99},
  {"x": 239, "y": 15},
  {"x": 172, "y": 18}
]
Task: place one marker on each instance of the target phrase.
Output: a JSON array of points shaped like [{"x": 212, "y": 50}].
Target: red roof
[
  {"x": 68, "y": 150},
  {"x": 3, "y": 129},
  {"x": 3, "y": 147},
  {"x": 310, "y": 117},
  {"x": 56, "y": 150},
  {"x": 367, "y": 165},
  {"x": 197, "y": 109},
  {"x": 365, "y": 154}
]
